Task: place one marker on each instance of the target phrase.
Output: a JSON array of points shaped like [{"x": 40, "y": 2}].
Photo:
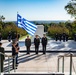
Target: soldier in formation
[{"x": 28, "y": 44}]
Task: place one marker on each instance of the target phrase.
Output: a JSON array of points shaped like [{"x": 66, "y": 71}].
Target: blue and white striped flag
[{"x": 26, "y": 25}]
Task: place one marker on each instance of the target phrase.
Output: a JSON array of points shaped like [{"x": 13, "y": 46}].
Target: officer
[
  {"x": 44, "y": 43},
  {"x": 36, "y": 43},
  {"x": 28, "y": 44},
  {"x": 2, "y": 56}
]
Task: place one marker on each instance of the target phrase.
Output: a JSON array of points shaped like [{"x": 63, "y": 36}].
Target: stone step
[{"x": 36, "y": 74}]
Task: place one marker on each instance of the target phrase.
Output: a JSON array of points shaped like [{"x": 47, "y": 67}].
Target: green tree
[
  {"x": 2, "y": 18},
  {"x": 71, "y": 8},
  {"x": 57, "y": 29}
]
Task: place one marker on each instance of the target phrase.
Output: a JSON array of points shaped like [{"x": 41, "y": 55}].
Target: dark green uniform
[{"x": 2, "y": 58}]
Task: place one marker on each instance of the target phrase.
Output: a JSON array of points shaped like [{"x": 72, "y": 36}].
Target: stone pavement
[{"x": 42, "y": 63}]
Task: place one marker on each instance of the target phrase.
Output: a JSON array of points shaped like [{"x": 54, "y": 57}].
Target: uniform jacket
[
  {"x": 2, "y": 51},
  {"x": 44, "y": 41},
  {"x": 28, "y": 42},
  {"x": 36, "y": 41}
]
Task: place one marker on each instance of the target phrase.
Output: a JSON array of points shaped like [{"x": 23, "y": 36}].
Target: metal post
[
  {"x": 58, "y": 65},
  {"x": 63, "y": 64},
  {"x": 14, "y": 63},
  {"x": 70, "y": 64},
  {"x": 8, "y": 65},
  {"x": 0, "y": 63}
]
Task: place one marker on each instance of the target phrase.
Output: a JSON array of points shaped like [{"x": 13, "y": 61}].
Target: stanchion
[
  {"x": 0, "y": 63},
  {"x": 14, "y": 63},
  {"x": 8, "y": 65},
  {"x": 70, "y": 64},
  {"x": 63, "y": 64},
  {"x": 58, "y": 65}
]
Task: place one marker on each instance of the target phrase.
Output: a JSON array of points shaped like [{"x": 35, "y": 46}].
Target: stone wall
[{"x": 39, "y": 31}]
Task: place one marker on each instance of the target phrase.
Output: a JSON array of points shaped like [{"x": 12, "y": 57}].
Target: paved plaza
[{"x": 46, "y": 63}]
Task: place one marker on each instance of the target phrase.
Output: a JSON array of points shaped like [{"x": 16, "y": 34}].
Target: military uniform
[
  {"x": 44, "y": 43},
  {"x": 28, "y": 44},
  {"x": 0, "y": 36},
  {"x": 36, "y": 43},
  {"x": 2, "y": 57},
  {"x": 9, "y": 36}
]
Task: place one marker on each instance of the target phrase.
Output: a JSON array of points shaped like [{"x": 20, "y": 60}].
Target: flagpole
[
  {"x": 17, "y": 12},
  {"x": 17, "y": 18}
]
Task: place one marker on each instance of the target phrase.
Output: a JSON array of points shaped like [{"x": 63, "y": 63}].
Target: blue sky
[{"x": 34, "y": 9}]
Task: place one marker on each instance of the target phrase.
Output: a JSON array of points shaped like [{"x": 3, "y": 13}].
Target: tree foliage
[
  {"x": 2, "y": 18},
  {"x": 5, "y": 27},
  {"x": 71, "y": 8},
  {"x": 52, "y": 30}
]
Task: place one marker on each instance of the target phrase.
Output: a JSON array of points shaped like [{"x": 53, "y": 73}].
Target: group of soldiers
[
  {"x": 11, "y": 36},
  {"x": 36, "y": 43},
  {"x": 15, "y": 46},
  {"x": 64, "y": 37},
  {"x": 60, "y": 37}
]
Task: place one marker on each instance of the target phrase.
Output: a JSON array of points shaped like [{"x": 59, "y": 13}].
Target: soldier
[
  {"x": 14, "y": 36},
  {"x": 60, "y": 37},
  {"x": 56, "y": 36},
  {"x": 74, "y": 37},
  {"x": 64, "y": 37},
  {"x": 44, "y": 43},
  {"x": 28, "y": 44},
  {"x": 36, "y": 43},
  {"x": 0, "y": 36},
  {"x": 9, "y": 36},
  {"x": 2, "y": 56},
  {"x": 67, "y": 37}
]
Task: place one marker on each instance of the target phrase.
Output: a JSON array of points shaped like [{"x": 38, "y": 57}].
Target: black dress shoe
[
  {"x": 36, "y": 52},
  {"x": 28, "y": 53}
]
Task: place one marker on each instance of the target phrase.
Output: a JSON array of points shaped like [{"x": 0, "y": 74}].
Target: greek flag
[{"x": 26, "y": 25}]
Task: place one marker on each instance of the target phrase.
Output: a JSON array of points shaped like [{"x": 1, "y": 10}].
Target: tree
[
  {"x": 2, "y": 18},
  {"x": 71, "y": 8},
  {"x": 57, "y": 29}
]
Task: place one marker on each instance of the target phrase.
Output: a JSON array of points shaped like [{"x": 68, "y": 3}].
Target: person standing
[
  {"x": 28, "y": 44},
  {"x": 0, "y": 36},
  {"x": 67, "y": 37},
  {"x": 14, "y": 36},
  {"x": 56, "y": 37},
  {"x": 9, "y": 36},
  {"x": 64, "y": 37},
  {"x": 60, "y": 37},
  {"x": 75, "y": 37},
  {"x": 44, "y": 43},
  {"x": 36, "y": 43},
  {"x": 18, "y": 36},
  {"x": 14, "y": 53},
  {"x": 17, "y": 46},
  {"x": 2, "y": 56}
]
